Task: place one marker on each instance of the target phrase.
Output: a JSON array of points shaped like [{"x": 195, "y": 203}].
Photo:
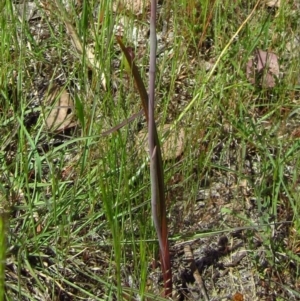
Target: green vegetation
[{"x": 75, "y": 212}]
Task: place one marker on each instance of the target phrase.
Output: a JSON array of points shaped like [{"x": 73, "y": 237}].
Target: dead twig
[{"x": 190, "y": 258}]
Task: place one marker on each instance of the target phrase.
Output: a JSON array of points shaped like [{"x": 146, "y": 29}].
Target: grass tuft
[{"x": 75, "y": 220}]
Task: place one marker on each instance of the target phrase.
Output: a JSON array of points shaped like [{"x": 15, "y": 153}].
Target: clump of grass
[{"x": 79, "y": 207}]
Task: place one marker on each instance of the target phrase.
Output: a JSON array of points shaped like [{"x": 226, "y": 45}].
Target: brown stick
[{"x": 190, "y": 258}]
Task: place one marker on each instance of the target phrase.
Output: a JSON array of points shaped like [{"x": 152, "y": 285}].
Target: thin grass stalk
[
  {"x": 159, "y": 206},
  {"x": 3, "y": 221},
  {"x": 156, "y": 167},
  {"x": 151, "y": 126}
]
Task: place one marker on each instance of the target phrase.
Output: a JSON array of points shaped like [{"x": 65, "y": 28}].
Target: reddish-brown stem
[{"x": 157, "y": 174}]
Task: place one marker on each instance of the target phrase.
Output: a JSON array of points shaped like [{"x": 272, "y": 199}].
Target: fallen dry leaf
[
  {"x": 61, "y": 115},
  {"x": 237, "y": 297},
  {"x": 29, "y": 11},
  {"x": 263, "y": 69},
  {"x": 88, "y": 51},
  {"x": 295, "y": 133},
  {"x": 134, "y": 6},
  {"x": 51, "y": 6},
  {"x": 273, "y": 3},
  {"x": 172, "y": 147}
]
